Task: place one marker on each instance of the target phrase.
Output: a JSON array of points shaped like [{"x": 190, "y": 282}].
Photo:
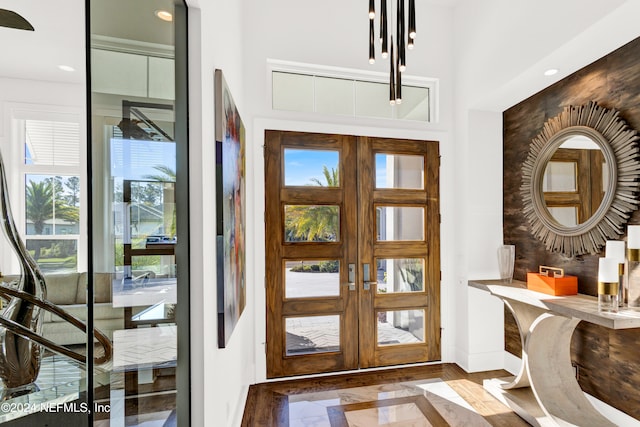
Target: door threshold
[{"x": 353, "y": 371}]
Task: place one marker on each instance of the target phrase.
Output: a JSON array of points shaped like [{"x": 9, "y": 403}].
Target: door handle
[
  {"x": 366, "y": 273},
  {"x": 352, "y": 277}
]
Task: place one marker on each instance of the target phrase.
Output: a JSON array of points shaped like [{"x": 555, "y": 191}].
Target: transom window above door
[{"x": 345, "y": 92}]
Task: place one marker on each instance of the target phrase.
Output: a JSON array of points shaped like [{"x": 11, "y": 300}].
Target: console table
[{"x": 545, "y": 392}]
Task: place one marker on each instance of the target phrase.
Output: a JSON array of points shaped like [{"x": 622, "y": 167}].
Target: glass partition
[{"x": 138, "y": 144}]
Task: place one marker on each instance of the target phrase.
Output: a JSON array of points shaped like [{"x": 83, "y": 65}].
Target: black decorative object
[
  {"x": 10, "y": 19},
  {"x": 21, "y": 341}
]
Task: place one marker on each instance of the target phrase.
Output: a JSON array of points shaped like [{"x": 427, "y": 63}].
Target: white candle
[
  {"x": 608, "y": 270},
  {"x": 633, "y": 236},
  {"x": 615, "y": 250}
]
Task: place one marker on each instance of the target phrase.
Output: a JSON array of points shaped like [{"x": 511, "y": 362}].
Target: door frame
[
  {"x": 256, "y": 183},
  {"x": 367, "y": 303}
]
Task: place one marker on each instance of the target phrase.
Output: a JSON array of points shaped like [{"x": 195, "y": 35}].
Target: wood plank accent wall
[{"x": 607, "y": 360}]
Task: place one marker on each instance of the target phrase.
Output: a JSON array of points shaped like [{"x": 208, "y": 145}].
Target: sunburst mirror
[{"x": 581, "y": 179}]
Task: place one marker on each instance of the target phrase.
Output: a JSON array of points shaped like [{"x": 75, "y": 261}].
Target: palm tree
[
  {"x": 40, "y": 206},
  {"x": 39, "y": 198},
  {"x": 320, "y": 223},
  {"x": 167, "y": 174},
  {"x": 330, "y": 176}
]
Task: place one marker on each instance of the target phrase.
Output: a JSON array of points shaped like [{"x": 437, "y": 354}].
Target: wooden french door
[{"x": 352, "y": 252}]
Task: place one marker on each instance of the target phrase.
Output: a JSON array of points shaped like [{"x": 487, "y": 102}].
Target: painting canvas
[{"x": 230, "y": 210}]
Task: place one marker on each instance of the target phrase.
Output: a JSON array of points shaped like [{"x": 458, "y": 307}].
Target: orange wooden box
[{"x": 567, "y": 285}]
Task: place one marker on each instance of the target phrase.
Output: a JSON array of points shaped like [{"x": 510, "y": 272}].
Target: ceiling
[
  {"x": 37, "y": 54},
  {"x": 59, "y": 36}
]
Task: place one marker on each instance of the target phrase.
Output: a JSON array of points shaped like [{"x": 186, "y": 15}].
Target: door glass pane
[
  {"x": 311, "y": 223},
  {"x": 400, "y": 275},
  {"x": 304, "y": 278},
  {"x": 559, "y": 176},
  {"x": 400, "y": 327},
  {"x": 399, "y": 223},
  {"x": 399, "y": 171},
  {"x": 314, "y": 334},
  {"x": 311, "y": 168}
]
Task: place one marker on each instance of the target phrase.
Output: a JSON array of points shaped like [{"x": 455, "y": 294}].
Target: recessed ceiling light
[
  {"x": 164, "y": 15},
  {"x": 551, "y": 72},
  {"x": 66, "y": 68}
]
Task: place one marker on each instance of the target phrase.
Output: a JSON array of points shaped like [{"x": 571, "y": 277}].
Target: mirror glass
[
  {"x": 580, "y": 179},
  {"x": 574, "y": 181}
]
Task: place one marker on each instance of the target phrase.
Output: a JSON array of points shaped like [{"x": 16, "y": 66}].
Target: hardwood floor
[{"x": 413, "y": 391}]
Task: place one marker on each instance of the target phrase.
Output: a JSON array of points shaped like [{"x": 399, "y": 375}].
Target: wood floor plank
[{"x": 267, "y": 403}]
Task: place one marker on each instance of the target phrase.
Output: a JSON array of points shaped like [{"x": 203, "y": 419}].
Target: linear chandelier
[{"x": 394, "y": 51}]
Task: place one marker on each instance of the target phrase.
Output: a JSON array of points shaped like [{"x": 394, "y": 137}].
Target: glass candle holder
[
  {"x": 616, "y": 249},
  {"x": 608, "y": 285},
  {"x": 506, "y": 261}
]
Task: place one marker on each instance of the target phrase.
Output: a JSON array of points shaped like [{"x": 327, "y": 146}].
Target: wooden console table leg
[{"x": 552, "y": 379}]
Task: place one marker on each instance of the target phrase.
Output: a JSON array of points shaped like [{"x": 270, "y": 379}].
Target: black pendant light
[{"x": 404, "y": 35}]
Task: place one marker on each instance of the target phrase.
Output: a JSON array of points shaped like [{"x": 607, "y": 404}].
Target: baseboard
[
  {"x": 512, "y": 364},
  {"x": 479, "y": 362},
  {"x": 615, "y": 415},
  {"x": 238, "y": 413}
]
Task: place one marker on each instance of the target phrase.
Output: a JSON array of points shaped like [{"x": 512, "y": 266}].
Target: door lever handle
[
  {"x": 366, "y": 273},
  {"x": 352, "y": 277}
]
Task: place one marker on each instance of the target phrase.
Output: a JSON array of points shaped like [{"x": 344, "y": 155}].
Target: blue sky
[{"x": 302, "y": 165}]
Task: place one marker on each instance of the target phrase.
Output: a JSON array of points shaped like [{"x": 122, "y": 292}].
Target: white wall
[
  {"x": 501, "y": 50},
  {"x": 335, "y": 33},
  {"x": 220, "y": 377},
  {"x": 488, "y": 56}
]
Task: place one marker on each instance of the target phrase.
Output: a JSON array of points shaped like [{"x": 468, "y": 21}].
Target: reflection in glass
[
  {"x": 311, "y": 223},
  {"x": 399, "y": 223},
  {"x": 305, "y": 278},
  {"x": 559, "y": 177},
  {"x": 54, "y": 256},
  {"x": 400, "y": 327},
  {"x": 311, "y": 167},
  {"x": 399, "y": 171},
  {"x": 565, "y": 215},
  {"x": 574, "y": 181},
  {"x": 400, "y": 275},
  {"x": 151, "y": 213},
  {"x": 314, "y": 334}
]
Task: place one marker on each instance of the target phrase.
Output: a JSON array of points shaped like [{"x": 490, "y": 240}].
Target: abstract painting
[{"x": 230, "y": 210}]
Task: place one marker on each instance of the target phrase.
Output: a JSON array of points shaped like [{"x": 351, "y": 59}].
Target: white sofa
[{"x": 68, "y": 291}]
